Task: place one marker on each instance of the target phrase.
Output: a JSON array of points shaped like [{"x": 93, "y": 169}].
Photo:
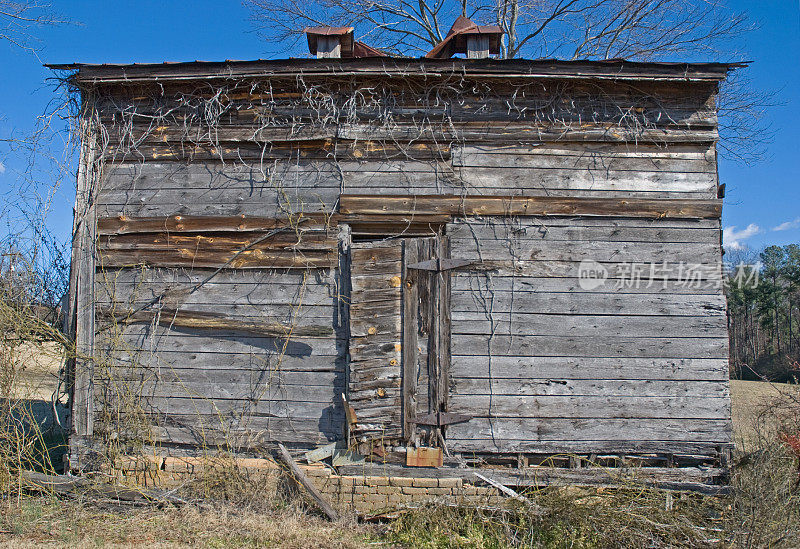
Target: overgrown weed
[{"x": 573, "y": 517}]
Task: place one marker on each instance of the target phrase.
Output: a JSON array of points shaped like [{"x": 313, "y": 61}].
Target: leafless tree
[
  {"x": 17, "y": 19},
  {"x": 571, "y": 29},
  {"x": 41, "y": 163},
  {"x": 638, "y": 30}
]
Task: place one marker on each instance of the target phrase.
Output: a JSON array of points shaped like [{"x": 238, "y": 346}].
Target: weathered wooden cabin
[{"x": 505, "y": 259}]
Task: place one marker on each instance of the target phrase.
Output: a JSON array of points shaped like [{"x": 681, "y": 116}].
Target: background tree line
[{"x": 763, "y": 294}]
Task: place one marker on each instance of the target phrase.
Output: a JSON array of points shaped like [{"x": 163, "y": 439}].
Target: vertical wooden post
[
  {"x": 443, "y": 326},
  {"x": 439, "y": 334},
  {"x": 82, "y": 293},
  {"x": 411, "y": 254}
]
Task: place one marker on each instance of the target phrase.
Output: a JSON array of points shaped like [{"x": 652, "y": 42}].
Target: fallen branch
[
  {"x": 536, "y": 509},
  {"x": 302, "y": 479},
  {"x": 67, "y": 485}
]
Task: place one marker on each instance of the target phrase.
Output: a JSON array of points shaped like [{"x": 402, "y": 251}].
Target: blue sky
[{"x": 760, "y": 198}]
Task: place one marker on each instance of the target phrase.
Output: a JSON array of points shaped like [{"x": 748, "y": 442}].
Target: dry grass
[
  {"x": 51, "y": 523},
  {"x": 40, "y": 363},
  {"x": 755, "y": 416}
]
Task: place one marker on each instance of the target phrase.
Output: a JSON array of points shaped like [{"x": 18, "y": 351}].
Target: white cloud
[
  {"x": 732, "y": 239},
  {"x": 786, "y": 225},
  {"x": 2, "y": 168}
]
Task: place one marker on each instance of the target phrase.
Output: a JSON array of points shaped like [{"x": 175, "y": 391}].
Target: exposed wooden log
[
  {"x": 211, "y": 321},
  {"x": 247, "y": 259},
  {"x": 514, "y": 205},
  {"x": 304, "y": 481},
  {"x": 534, "y": 508},
  {"x": 79, "y": 486},
  {"x": 192, "y": 223}
]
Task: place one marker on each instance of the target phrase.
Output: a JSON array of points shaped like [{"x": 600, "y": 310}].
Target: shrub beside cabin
[{"x": 503, "y": 259}]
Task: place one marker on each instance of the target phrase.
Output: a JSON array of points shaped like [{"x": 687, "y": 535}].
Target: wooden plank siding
[
  {"x": 203, "y": 384},
  {"x": 277, "y": 189},
  {"x": 252, "y": 238},
  {"x": 543, "y": 364}
]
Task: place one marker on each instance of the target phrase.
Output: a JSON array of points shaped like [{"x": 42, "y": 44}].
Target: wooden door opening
[{"x": 399, "y": 344}]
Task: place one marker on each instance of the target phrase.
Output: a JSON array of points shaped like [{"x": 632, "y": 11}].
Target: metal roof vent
[
  {"x": 337, "y": 42},
  {"x": 475, "y": 41}
]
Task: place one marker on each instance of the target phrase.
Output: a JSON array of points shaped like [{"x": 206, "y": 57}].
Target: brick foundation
[
  {"x": 365, "y": 494},
  {"x": 370, "y": 494}
]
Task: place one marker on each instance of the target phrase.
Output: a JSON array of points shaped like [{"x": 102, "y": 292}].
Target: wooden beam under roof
[{"x": 521, "y": 205}]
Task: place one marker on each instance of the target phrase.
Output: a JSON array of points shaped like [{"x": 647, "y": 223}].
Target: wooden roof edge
[{"x": 614, "y": 69}]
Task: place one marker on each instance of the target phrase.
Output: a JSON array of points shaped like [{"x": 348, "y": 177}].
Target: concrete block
[
  {"x": 400, "y": 481},
  {"x": 450, "y": 483},
  {"x": 378, "y": 481},
  {"x": 425, "y": 482}
]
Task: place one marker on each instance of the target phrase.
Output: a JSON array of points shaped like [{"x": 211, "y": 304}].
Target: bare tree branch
[
  {"x": 17, "y": 19},
  {"x": 638, "y": 30}
]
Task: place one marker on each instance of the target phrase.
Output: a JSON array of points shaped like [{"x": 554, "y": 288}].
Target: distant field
[
  {"x": 37, "y": 374},
  {"x": 752, "y": 405}
]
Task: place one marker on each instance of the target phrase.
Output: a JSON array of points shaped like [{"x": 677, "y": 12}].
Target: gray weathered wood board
[
  {"x": 574, "y": 325},
  {"x": 260, "y": 291},
  {"x": 630, "y": 156},
  {"x": 242, "y": 364},
  {"x": 686, "y": 370},
  {"x": 619, "y": 281},
  {"x": 618, "y": 230},
  {"x": 258, "y": 391},
  {"x": 244, "y": 380},
  {"x": 589, "y": 346},
  {"x": 532, "y": 386},
  {"x": 588, "y": 303},
  {"x": 233, "y": 431},
  {"x": 527, "y": 434},
  {"x": 591, "y": 406},
  {"x": 159, "y": 338},
  {"x": 642, "y": 253}
]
